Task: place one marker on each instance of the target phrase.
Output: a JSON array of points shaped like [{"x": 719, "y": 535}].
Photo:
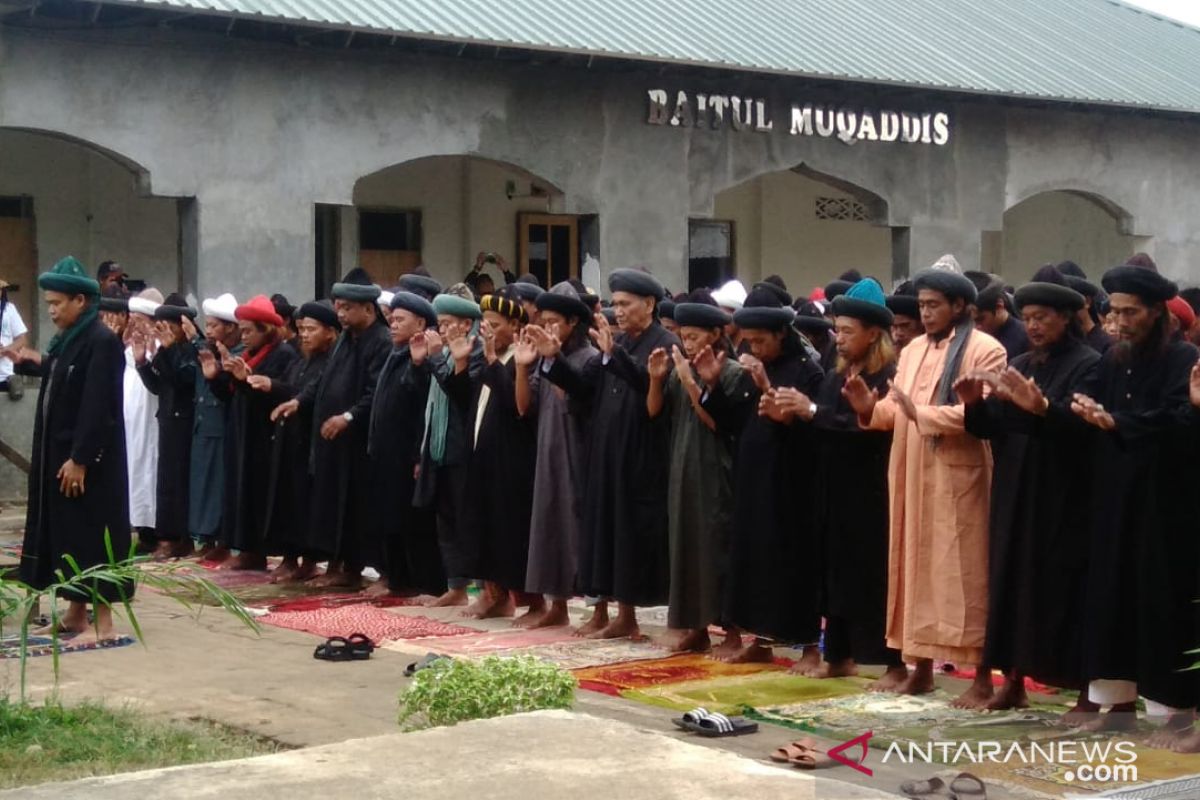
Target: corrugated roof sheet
[{"x": 1088, "y": 51}]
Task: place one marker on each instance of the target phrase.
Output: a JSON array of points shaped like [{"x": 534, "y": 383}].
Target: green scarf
[
  {"x": 437, "y": 407},
  {"x": 63, "y": 338}
]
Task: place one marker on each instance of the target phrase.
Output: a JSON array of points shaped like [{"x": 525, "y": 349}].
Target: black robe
[
  {"x": 175, "y": 389},
  {"x": 852, "y": 517},
  {"x": 1099, "y": 340},
  {"x": 775, "y": 569},
  {"x": 623, "y": 549},
  {"x": 290, "y": 486},
  {"x": 80, "y": 416},
  {"x": 499, "y": 474},
  {"x": 403, "y": 538},
  {"x": 248, "y": 430},
  {"x": 1013, "y": 336},
  {"x": 1038, "y": 532},
  {"x": 1142, "y": 581},
  {"x": 339, "y": 507}
]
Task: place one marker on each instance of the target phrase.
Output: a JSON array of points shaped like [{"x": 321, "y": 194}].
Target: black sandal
[
  {"x": 336, "y": 648},
  {"x": 360, "y": 646}
]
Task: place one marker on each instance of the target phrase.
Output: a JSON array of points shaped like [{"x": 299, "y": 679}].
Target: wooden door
[{"x": 548, "y": 246}]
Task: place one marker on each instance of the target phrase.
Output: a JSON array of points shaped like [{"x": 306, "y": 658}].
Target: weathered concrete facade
[{"x": 259, "y": 133}]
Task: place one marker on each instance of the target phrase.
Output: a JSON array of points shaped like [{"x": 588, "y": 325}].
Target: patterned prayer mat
[
  {"x": 575, "y": 653},
  {"x": 508, "y": 642},
  {"x": 687, "y": 667},
  {"x": 10, "y": 646},
  {"x": 375, "y": 623},
  {"x": 338, "y": 600},
  {"x": 968, "y": 674},
  {"x": 734, "y": 693}
]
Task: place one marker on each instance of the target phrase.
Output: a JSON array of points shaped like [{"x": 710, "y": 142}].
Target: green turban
[
  {"x": 456, "y": 307},
  {"x": 69, "y": 277}
]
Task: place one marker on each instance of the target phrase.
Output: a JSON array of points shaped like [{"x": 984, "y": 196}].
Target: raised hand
[
  {"x": 708, "y": 366},
  {"x": 1022, "y": 392},
  {"x": 526, "y": 350},
  {"x": 259, "y": 383},
  {"x": 418, "y": 348},
  {"x": 436, "y": 345},
  {"x": 758, "y": 373},
  {"x": 285, "y": 410},
  {"x": 166, "y": 336},
  {"x": 238, "y": 368},
  {"x": 1092, "y": 412},
  {"x": 489, "y": 341},
  {"x": 768, "y": 406},
  {"x": 138, "y": 345},
  {"x": 970, "y": 386},
  {"x": 189, "y": 328},
  {"x": 547, "y": 345},
  {"x": 602, "y": 334},
  {"x": 461, "y": 346},
  {"x": 793, "y": 401},
  {"x": 111, "y": 321},
  {"x": 904, "y": 401},
  {"x": 208, "y": 364},
  {"x": 657, "y": 364},
  {"x": 860, "y": 396}
]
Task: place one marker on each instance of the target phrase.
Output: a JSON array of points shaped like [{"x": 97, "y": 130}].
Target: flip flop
[
  {"x": 424, "y": 663},
  {"x": 716, "y": 726},
  {"x": 783, "y": 755},
  {"x": 360, "y": 646},
  {"x": 934, "y": 787},
  {"x": 336, "y": 648},
  {"x": 968, "y": 787},
  {"x": 691, "y": 719}
]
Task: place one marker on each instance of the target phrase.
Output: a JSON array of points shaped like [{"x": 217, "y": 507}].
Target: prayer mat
[
  {"x": 575, "y": 653},
  {"x": 685, "y": 667},
  {"x": 508, "y": 642},
  {"x": 375, "y": 623},
  {"x": 1031, "y": 685},
  {"x": 736, "y": 693},
  {"x": 339, "y": 600},
  {"x": 10, "y": 646}
]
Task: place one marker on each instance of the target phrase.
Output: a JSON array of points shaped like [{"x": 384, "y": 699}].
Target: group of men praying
[{"x": 959, "y": 472}]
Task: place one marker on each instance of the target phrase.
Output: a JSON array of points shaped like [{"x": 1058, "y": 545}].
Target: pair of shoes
[
  {"x": 964, "y": 787},
  {"x": 711, "y": 725},
  {"x": 355, "y": 647},
  {"x": 802, "y": 754},
  {"x": 424, "y": 663}
]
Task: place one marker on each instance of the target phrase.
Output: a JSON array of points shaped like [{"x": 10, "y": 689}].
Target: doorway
[{"x": 548, "y": 246}]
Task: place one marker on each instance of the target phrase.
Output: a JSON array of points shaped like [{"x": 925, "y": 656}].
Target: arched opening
[
  {"x": 800, "y": 224},
  {"x": 63, "y": 196},
  {"x": 441, "y": 211},
  {"x": 1060, "y": 225}
]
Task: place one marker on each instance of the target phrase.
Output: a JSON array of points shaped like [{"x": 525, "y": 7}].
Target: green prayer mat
[{"x": 732, "y": 694}]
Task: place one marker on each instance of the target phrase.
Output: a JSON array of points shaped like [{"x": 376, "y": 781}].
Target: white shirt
[{"x": 11, "y": 327}]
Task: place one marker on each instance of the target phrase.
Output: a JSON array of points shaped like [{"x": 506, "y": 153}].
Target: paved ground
[{"x": 269, "y": 684}]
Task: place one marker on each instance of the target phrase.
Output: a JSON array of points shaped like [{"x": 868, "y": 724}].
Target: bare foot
[
  {"x": 919, "y": 681},
  {"x": 162, "y": 552},
  {"x": 246, "y": 561},
  {"x": 531, "y": 617},
  {"x": 502, "y": 607},
  {"x": 305, "y": 572},
  {"x": 555, "y": 616},
  {"x": 1011, "y": 695},
  {"x": 1121, "y": 717},
  {"x": 1177, "y": 727},
  {"x": 598, "y": 622},
  {"x": 730, "y": 645},
  {"x": 94, "y": 636},
  {"x": 184, "y": 548},
  {"x": 977, "y": 696},
  {"x": 1189, "y": 743},
  {"x": 453, "y": 597},
  {"x": 217, "y": 554},
  {"x": 620, "y": 628},
  {"x": 809, "y": 661},
  {"x": 284, "y": 572},
  {"x": 691, "y": 641},
  {"x": 756, "y": 653},
  {"x": 1082, "y": 712},
  {"x": 337, "y": 578},
  {"x": 845, "y": 668},
  {"x": 377, "y": 589},
  {"x": 66, "y": 627},
  {"x": 890, "y": 680}
]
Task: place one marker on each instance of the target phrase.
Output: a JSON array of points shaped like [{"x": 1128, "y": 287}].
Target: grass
[{"x": 52, "y": 742}]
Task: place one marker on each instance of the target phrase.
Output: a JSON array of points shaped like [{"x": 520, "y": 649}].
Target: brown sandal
[{"x": 802, "y": 754}]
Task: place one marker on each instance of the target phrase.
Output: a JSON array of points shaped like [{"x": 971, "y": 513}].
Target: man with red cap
[{"x": 248, "y": 428}]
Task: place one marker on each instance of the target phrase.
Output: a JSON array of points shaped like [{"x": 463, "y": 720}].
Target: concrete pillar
[
  {"x": 254, "y": 240},
  {"x": 929, "y": 242}
]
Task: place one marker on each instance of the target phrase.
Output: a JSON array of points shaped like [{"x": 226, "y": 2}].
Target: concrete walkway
[{"x": 548, "y": 754}]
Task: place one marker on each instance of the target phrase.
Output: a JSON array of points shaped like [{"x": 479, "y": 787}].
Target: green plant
[
  {"x": 452, "y": 691},
  {"x": 19, "y": 601}
]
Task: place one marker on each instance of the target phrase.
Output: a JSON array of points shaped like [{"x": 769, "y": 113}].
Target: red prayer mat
[
  {"x": 340, "y": 600},
  {"x": 611, "y": 679},
  {"x": 514, "y": 641},
  {"x": 374, "y": 623}
]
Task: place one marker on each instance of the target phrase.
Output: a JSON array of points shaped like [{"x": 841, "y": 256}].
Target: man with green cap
[
  {"x": 340, "y": 403},
  {"x": 77, "y": 483}
]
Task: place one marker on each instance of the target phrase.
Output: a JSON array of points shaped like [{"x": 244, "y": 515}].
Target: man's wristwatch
[{"x": 348, "y": 417}]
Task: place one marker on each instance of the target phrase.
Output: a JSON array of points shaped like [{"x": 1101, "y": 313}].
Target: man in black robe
[
  {"x": 623, "y": 552},
  {"x": 290, "y": 485},
  {"x": 992, "y": 315},
  {"x": 340, "y": 404},
  {"x": 78, "y": 502},
  {"x": 1038, "y": 539},
  {"x": 906, "y": 315},
  {"x": 176, "y": 408},
  {"x": 775, "y": 568},
  {"x": 1089, "y": 316},
  {"x": 405, "y": 535},
  {"x": 501, "y": 464},
  {"x": 852, "y": 512},
  {"x": 248, "y": 428},
  {"x": 449, "y": 430},
  {"x": 1141, "y": 586}
]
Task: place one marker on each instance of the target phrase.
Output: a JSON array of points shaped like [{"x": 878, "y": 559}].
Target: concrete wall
[
  {"x": 258, "y": 133},
  {"x": 1055, "y": 226},
  {"x": 88, "y": 206},
  {"x": 776, "y": 231}
]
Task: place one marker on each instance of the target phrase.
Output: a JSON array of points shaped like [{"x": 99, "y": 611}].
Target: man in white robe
[{"x": 141, "y": 425}]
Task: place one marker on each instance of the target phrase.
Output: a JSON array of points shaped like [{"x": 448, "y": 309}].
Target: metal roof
[{"x": 1083, "y": 51}]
